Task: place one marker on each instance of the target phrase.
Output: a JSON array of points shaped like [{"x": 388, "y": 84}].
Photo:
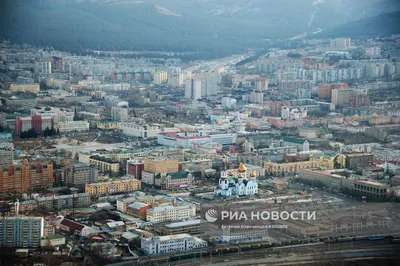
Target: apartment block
[
  {"x": 21, "y": 231},
  {"x": 79, "y": 175},
  {"x": 38, "y": 123},
  {"x": 120, "y": 186},
  {"x": 104, "y": 164},
  {"x": 64, "y": 202},
  {"x": 6, "y": 154},
  {"x": 26, "y": 177}
]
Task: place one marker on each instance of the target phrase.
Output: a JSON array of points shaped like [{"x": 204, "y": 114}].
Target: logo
[{"x": 211, "y": 215}]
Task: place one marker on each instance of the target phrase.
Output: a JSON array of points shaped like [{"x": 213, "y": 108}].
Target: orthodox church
[{"x": 238, "y": 183}]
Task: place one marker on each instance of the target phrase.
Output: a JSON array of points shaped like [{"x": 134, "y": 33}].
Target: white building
[
  {"x": 136, "y": 130},
  {"x": 228, "y": 102},
  {"x": 193, "y": 89},
  {"x": 291, "y": 113},
  {"x": 160, "y": 77},
  {"x": 171, "y": 244},
  {"x": 59, "y": 114},
  {"x": 373, "y": 51},
  {"x": 261, "y": 84},
  {"x": 175, "y": 79},
  {"x": 340, "y": 43},
  {"x": 72, "y": 126},
  {"x": 119, "y": 114},
  {"x": 52, "y": 241},
  {"x": 43, "y": 68},
  {"x": 185, "y": 140},
  {"x": 239, "y": 183},
  {"x": 170, "y": 213}
]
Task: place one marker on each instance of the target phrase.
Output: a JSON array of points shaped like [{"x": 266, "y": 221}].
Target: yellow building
[
  {"x": 161, "y": 165},
  {"x": 288, "y": 168},
  {"x": 32, "y": 88},
  {"x": 104, "y": 164},
  {"x": 103, "y": 188},
  {"x": 337, "y": 161}
]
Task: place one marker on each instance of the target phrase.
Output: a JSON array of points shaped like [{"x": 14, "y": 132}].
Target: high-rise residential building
[
  {"x": 119, "y": 114},
  {"x": 373, "y": 51},
  {"x": 38, "y": 123},
  {"x": 193, "y": 89},
  {"x": 64, "y": 202},
  {"x": 161, "y": 165},
  {"x": 209, "y": 84},
  {"x": 6, "y": 154},
  {"x": 26, "y": 177},
  {"x": 325, "y": 90},
  {"x": 119, "y": 186},
  {"x": 79, "y": 175},
  {"x": 261, "y": 84},
  {"x": 21, "y": 231},
  {"x": 43, "y": 68},
  {"x": 228, "y": 102},
  {"x": 349, "y": 97},
  {"x": 160, "y": 77},
  {"x": 256, "y": 97},
  {"x": 171, "y": 244},
  {"x": 175, "y": 79},
  {"x": 340, "y": 43}
]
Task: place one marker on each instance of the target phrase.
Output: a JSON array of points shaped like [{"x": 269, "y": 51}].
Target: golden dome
[
  {"x": 230, "y": 173},
  {"x": 240, "y": 176},
  {"x": 253, "y": 174},
  {"x": 242, "y": 168}
]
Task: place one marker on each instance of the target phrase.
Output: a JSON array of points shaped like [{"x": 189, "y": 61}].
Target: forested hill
[
  {"x": 212, "y": 28},
  {"x": 377, "y": 26}
]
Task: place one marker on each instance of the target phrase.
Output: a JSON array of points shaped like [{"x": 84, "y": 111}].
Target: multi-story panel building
[
  {"x": 38, "y": 123},
  {"x": 26, "y": 177},
  {"x": 21, "y": 231},
  {"x": 170, "y": 213},
  {"x": 6, "y": 154},
  {"x": 79, "y": 175},
  {"x": 31, "y": 88},
  {"x": 359, "y": 160},
  {"x": 120, "y": 186},
  {"x": 72, "y": 126},
  {"x": 64, "y": 202},
  {"x": 104, "y": 164},
  {"x": 119, "y": 114},
  {"x": 160, "y": 77},
  {"x": 171, "y": 244},
  {"x": 193, "y": 89},
  {"x": 59, "y": 114}
]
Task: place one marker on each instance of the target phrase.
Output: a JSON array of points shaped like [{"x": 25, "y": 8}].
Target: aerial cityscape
[{"x": 214, "y": 132}]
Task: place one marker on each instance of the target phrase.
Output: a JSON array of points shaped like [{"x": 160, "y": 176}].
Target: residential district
[{"x": 106, "y": 158}]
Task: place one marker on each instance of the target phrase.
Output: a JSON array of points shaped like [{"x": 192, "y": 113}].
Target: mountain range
[{"x": 206, "y": 28}]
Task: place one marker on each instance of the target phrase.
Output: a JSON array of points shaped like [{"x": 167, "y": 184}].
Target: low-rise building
[
  {"x": 170, "y": 213},
  {"x": 173, "y": 180},
  {"x": 52, "y": 241},
  {"x": 72, "y": 126},
  {"x": 171, "y": 244},
  {"x": 186, "y": 227}
]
